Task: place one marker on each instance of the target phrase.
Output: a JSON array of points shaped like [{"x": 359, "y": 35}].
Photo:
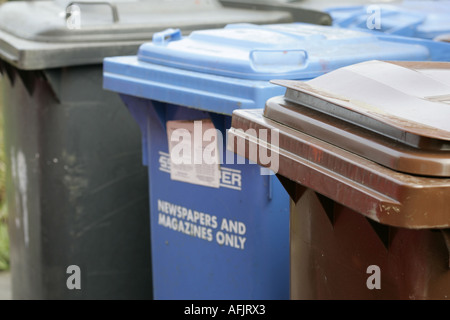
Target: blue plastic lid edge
[{"x": 247, "y": 94}]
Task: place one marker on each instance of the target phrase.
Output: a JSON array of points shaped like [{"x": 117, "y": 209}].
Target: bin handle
[
  {"x": 288, "y": 60},
  {"x": 114, "y": 11},
  {"x": 164, "y": 37}
]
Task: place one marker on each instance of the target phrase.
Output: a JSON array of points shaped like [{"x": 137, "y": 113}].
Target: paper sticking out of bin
[
  {"x": 416, "y": 96},
  {"x": 364, "y": 154},
  {"x": 45, "y": 34},
  {"x": 422, "y": 19}
]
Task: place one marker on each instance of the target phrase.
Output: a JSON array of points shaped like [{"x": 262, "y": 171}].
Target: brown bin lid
[
  {"x": 384, "y": 195},
  {"x": 396, "y": 114},
  {"x": 378, "y": 142}
]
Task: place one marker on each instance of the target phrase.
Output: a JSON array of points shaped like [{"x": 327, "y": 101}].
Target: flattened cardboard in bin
[
  {"x": 407, "y": 104},
  {"x": 366, "y": 143},
  {"x": 359, "y": 106},
  {"x": 45, "y": 34}
]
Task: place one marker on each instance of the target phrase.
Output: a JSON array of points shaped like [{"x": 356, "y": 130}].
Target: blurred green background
[{"x": 4, "y": 239}]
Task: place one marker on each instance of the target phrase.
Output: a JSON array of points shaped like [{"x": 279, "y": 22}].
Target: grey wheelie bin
[
  {"x": 77, "y": 191},
  {"x": 364, "y": 154}
]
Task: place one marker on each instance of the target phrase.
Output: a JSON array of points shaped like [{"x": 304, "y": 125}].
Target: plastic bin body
[
  {"x": 77, "y": 190},
  {"x": 413, "y": 264},
  {"x": 172, "y": 79},
  {"x": 420, "y": 19},
  {"x": 231, "y": 254},
  {"x": 368, "y": 182},
  {"x": 74, "y": 197},
  {"x": 244, "y": 254}
]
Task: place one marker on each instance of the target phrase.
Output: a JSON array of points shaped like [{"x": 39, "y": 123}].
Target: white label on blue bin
[
  {"x": 202, "y": 225},
  {"x": 194, "y": 152},
  {"x": 229, "y": 178}
]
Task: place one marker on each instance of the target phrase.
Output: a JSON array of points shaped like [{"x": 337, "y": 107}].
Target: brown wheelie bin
[{"x": 364, "y": 152}]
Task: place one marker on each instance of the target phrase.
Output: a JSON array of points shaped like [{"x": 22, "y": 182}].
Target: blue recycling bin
[
  {"x": 424, "y": 19},
  {"x": 220, "y": 229}
]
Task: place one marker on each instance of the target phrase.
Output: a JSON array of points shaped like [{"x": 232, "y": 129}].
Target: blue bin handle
[
  {"x": 166, "y": 36},
  {"x": 287, "y": 60}
]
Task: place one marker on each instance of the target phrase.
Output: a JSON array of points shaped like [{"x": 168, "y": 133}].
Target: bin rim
[{"x": 375, "y": 191}]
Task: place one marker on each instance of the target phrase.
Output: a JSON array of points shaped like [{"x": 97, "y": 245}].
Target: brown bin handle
[{"x": 114, "y": 11}]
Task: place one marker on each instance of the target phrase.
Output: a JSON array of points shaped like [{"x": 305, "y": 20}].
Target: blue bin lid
[
  {"x": 289, "y": 51},
  {"x": 421, "y": 19},
  {"x": 221, "y": 70}
]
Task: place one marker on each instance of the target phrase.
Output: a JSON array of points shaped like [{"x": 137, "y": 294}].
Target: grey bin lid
[
  {"x": 311, "y": 11},
  {"x": 300, "y": 11},
  {"x": 46, "y": 34}
]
